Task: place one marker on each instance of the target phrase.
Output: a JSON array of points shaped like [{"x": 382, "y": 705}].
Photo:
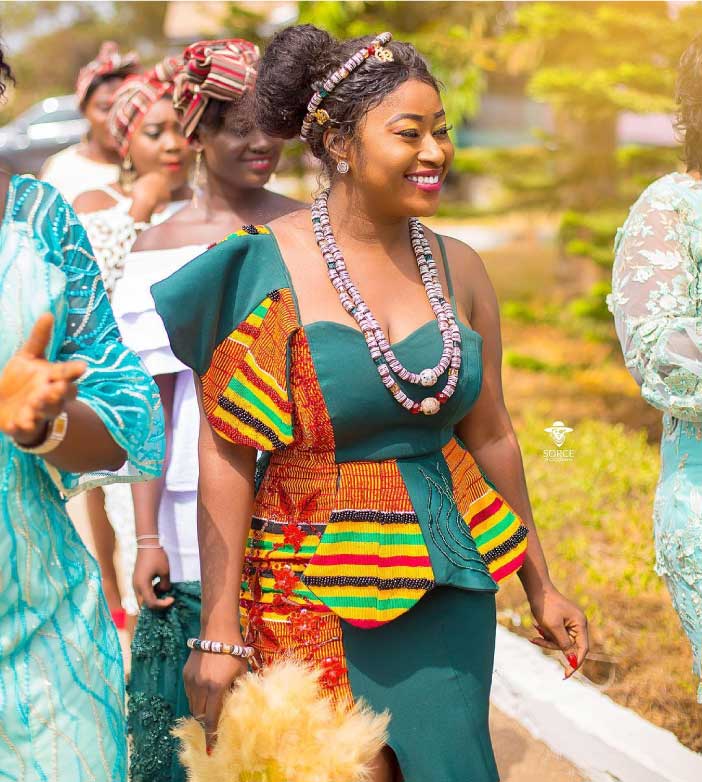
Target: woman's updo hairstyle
[
  {"x": 689, "y": 99},
  {"x": 297, "y": 62}
]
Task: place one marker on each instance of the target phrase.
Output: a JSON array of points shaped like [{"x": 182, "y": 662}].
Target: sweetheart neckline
[{"x": 412, "y": 333}]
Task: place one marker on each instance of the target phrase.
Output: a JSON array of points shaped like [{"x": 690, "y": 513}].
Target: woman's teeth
[{"x": 425, "y": 180}]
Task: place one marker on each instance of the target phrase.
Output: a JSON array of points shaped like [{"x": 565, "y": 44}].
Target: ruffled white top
[{"x": 143, "y": 331}]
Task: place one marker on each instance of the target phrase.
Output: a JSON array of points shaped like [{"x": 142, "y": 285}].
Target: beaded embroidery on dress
[{"x": 61, "y": 676}]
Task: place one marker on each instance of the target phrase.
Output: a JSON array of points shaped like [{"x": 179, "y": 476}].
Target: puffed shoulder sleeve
[
  {"x": 229, "y": 315},
  {"x": 115, "y": 384},
  {"x": 655, "y": 303}
]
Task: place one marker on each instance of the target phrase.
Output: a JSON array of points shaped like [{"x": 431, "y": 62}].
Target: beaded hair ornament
[{"x": 314, "y": 114}]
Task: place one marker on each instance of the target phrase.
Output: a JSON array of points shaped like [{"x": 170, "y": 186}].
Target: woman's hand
[
  {"x": 562, "y": 626},
  {"x": 33, "y": 390},
  {"x": 208, "y": 678},
  {"x": 148, "y": 192},
  {"x": 152, "y": 563}
]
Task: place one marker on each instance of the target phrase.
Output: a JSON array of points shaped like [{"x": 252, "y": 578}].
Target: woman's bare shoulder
[{"x": 93, "y": 201}]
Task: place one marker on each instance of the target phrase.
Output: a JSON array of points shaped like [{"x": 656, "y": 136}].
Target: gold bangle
[{"x": 55, "y": 435}]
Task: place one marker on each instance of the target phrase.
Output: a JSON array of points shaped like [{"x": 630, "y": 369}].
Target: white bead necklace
[{"x": 387, "y": 363}]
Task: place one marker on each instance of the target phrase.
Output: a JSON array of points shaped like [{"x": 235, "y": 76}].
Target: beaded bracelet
[{"x": 219, "y": 647}]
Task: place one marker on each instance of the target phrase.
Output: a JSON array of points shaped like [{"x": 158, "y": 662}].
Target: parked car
[{"x": 45, "y": 128}]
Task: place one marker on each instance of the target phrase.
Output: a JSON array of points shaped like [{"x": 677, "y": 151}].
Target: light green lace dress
[
  {"x": 657, "y": 305},
  {"x": 61, "y": 675}
]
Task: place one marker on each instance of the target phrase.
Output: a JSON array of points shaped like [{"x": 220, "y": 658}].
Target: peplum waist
[{"x": 368, "y": 539}]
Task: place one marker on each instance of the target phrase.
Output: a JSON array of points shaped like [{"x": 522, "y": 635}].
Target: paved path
[{"x": 521, "y": 758}]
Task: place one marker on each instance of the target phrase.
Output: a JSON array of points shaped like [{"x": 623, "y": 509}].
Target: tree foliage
[
  {"x": 595, "y": 59},
  {"x": 454, "y": 38}
]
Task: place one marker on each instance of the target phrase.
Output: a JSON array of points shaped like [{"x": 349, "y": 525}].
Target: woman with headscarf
[
  {"x": 93, "y": 162},
  {"x": 74, "y": 405},
  {"x": 153, "y": 185},
  {"x": 213, "y": 97}
]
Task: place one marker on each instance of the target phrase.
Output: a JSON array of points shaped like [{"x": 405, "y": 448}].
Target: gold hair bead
[
  {"x": 322, "y": 116},
  {"x": 383, "y": 54}
]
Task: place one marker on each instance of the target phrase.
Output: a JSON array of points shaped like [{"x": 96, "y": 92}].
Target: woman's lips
[
  {"x": 259, "y": 164},
  {"x": 429, "y": 181},
  {"x": 175, "y": 166}
]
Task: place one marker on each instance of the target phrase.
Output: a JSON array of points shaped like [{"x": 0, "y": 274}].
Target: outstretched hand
[
  {"x": 34, "y": 390},
  {"x": 562, "y": 626}
]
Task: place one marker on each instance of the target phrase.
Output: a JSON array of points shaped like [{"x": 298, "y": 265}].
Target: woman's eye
[
  {"x": 410, "y": 133},
  {"x": 152, "y": 133},
  {"x": 444, "y": 131}
]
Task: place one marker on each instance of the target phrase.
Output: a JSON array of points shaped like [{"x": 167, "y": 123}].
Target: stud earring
[{"x": 343, "y": 167}]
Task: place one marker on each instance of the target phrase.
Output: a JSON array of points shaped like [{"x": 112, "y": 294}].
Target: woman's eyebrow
[{"x": 415, "y": 117}]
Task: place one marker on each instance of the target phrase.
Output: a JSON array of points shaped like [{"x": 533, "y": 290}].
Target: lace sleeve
[
  {"x": 112, "y": 233},
  {"x": 655, "y": 302},
  {"x": 115, "y": 386}
]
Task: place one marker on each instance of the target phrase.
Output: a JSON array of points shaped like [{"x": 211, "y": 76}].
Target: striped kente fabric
[
  {"x": 499, "y": 533},
  {"x": 372, "y": 564},
  {"x": 245, "y": 390}
]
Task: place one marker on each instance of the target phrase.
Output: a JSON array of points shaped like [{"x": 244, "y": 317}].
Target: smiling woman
[{"x": 337, "y": 340}]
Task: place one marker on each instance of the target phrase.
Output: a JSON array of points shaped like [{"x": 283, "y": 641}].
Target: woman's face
[
  {"x": 241, "y": 156},
  {"x": 402, "y": 153},
  {"x": 96, "y": 110},
  {"x": 158, "y": 144}
]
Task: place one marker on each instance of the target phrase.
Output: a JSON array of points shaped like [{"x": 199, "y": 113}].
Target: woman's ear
[
  {"x": 196, "y": 144},
  {"x": 337, "y": 146}
]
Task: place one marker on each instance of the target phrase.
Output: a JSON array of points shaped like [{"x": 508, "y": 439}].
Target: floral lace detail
[
  {"x": 150, "y": 722},
  {"x": 158, "y": 636},
  {"x": 656, "y": 301},
  {"x": 655, "y": 295},
  {"x": 678, "y": 539}
]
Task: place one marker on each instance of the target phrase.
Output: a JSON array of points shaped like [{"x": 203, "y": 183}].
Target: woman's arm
[
  {"x": 225, "y": 504},
  {"x": 655, "y": 302},
  {"x": 489, "y": 436},
  {"x": 152, "y": 562},
  {"x": 33, "y": 391}
]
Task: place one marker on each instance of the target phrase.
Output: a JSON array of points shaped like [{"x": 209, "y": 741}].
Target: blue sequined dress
[{"x": 61, "y": 674}]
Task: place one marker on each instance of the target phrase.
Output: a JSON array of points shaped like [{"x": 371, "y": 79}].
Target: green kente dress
[
  {"x": 61, "y": 674},
  {"x": 376, "y": 543}
]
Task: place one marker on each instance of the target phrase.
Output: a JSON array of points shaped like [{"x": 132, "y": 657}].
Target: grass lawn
[{"x": 593, "y": 513}]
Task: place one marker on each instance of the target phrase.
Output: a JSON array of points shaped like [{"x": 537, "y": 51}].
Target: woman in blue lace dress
[
  {"x": 657, "y": 305},
  {"x": 74, "y": 404}
]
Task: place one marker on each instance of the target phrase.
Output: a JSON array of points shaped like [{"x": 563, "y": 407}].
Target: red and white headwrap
[
  {"x": 136, "y": 96},
  {"x": 223, "y": 70},
  {"x": 109, "y": 62}
]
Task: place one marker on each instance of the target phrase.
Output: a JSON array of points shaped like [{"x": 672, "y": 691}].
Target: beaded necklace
[{"x": 388, "y": 365}]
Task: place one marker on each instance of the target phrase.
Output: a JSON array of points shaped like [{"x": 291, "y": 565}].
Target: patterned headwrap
[
  {"x": 224, "y": 70},
  {"x": 136, "y": 96},
  {"x": 108, "y": 62}
]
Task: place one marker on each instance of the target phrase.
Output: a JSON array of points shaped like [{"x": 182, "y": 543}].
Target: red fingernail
[
  {"x": 209, "y": 750},
  {"x": 540, "y": 632},
  {"x": 572, "y": 660}
]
